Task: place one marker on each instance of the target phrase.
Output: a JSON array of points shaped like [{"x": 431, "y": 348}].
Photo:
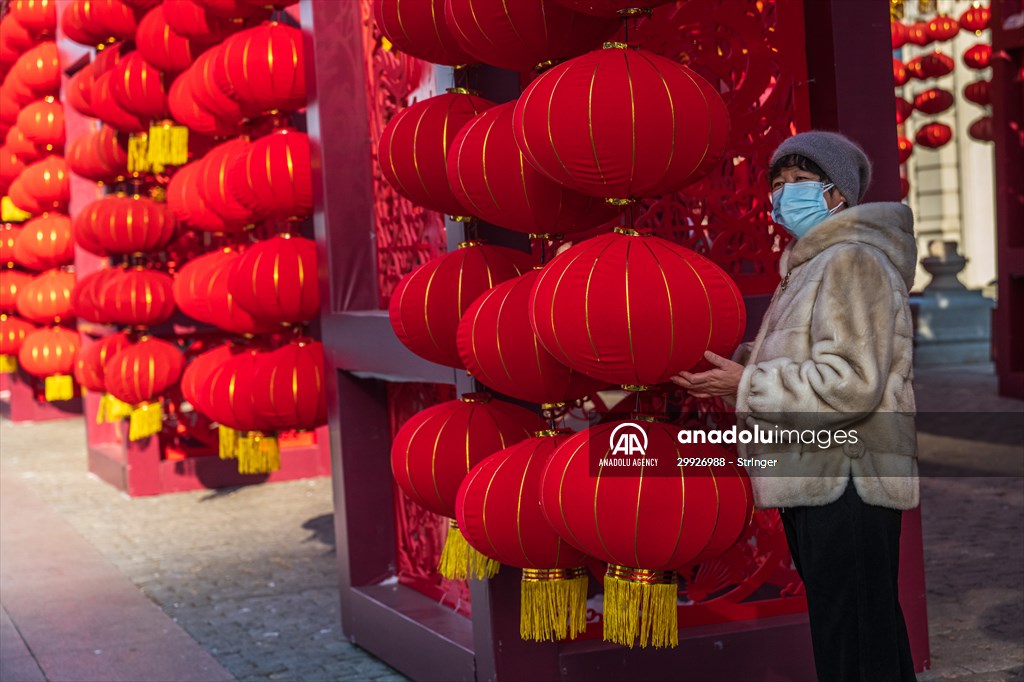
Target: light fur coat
[{"x": 837, "y": 342}]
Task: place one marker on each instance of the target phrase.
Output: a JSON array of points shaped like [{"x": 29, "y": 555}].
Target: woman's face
[{"x": 833, "y": 197}]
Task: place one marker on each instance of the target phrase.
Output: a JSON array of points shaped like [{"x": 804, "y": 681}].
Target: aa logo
[{"x": 628, "y": 439}]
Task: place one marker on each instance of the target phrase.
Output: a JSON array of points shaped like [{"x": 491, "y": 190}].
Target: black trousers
[{"x": 848, "y": 554}]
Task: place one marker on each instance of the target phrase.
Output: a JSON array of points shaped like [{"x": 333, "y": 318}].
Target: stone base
[{"x": 952, "y": 328}]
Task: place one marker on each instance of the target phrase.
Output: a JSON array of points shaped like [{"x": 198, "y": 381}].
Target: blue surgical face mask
[{"x": 799, "y": 206}]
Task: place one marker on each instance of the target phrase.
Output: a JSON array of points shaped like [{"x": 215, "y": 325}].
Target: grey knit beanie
[{"x": 842, "y": 160}]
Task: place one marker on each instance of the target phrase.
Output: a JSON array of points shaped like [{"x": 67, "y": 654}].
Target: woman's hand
[{"x": 723, "y": 380}]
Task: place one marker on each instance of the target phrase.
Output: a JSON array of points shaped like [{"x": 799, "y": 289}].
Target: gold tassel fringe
[
  {"x": 168, "y": 145},
  {"x": 145, "y": 420},
  {"x": 553, "y": 604},
  {"x": 112, "y": 409},
  {"x": 58, "y": 387},
  {"x": 640, "y": 604},
  {"x": 258, "y": 453},
  {"x": 227, "y": 442},
  {"x": 8, "y": 364},
  {"x": 459, "y": 561}
]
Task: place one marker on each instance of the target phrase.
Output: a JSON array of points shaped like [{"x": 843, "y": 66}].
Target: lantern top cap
[
  {"x": 462, "y": 91},
  {"x": 476, "y": 398},
  {"x": 550, "y": 433}
]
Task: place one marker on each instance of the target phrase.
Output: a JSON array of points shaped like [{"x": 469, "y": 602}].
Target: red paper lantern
[
  {"x": 211, "y": 178},
  {"x": 982, "y": 129},
  {"x": 498, "y": 347},
  {"x": 92, "y": 360},
  {"x": 10, "y": 105},
  {"x": 39, "y": 69},
  {"x": 46, "y": 298},
  {"x": 109, "y": 110},
  {"x": 609, "y": 8},
  {"x": 492, "y": 179},
  {"x": 78, "y": 92},
  {"x": 899, "y": 34},
  {"x": 188, "y": 112},
  {"x": 162, "y": 46},
  {"x": 276, "y": 280},
  {"x": 904, "y": 187},
  {"x": 524, "y": 35},
  {"x": 39, "y": 17},
  {"x": 435, "y": 449},
  {"x": 917, "y": 34},
  {"x": 132, "y": 225},
  {"x": 143, "y": 370},
  {"x": 623, "y": 151},
  {"x": 976, "y": 18},
  {"x": 42, "y": 186},
  {"x": 209, "y": 86},
  {"x": 192, "y": 20},
  {"x": 11, "y": 282},
  {"x": 203, "y": 292},
  {"x": 264, "y": 68},
  {"x": 228, "y": 392},
  {"x": 16, "y": 38},
  {"x": 413, "y": 148},
  {"x": 8, "y": 236},
  {"x": 84, "y": 229},
  {"x": 43, "y": 123},
  {"x": 903, "y": 110},
  {"x": 95, "y": 22},
  {"x": 933, "y": 101},
  {"x": 935, "y": 65},
  {"x": 10, "y": 167},
  {"x": 236, "y": 9},
  {"x": 85, "y": 299},
  {"x": 45, "y": 242},
  {"x": 979, "y": 92},
  {"x": 21, "y": 146},
  {"x": 137, "y": 297},
  {"x": 428, "y": 303},
  {"x": 905, "y": 148},
  {"x": 98, "y": 156},
  {"x": 914, "y": 69},
  {"x": 942, "y": 28},
  {"x": 273, "y": 178},
  {"x": 290, "y": 386},
  {"x": 198, "y": 372},
  {"x": 418, "y": 28},
  {"x": 49, "y": 352},
  {"x": 933, "y": 135},
  {"x": 13, "y": 331},
  {"x": 188, "y": 205},
  {"x": 978, "y": 56},
  {"x": 635, "y": 310},
  {"x": 138, "y": 88}
]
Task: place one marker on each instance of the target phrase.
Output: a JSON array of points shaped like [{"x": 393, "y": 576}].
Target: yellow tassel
[
  {"x": 168, "y": 146},
  {"x": 459, "y": 561},
  {"x": 228, "y": 442},
  {"x": 146, "y": 419},
  {"x": 8, "y": 364},
  {"x": 138, "y": 154},
  {"x": 640, "y": 604},
  {"x": 553, "y": 604},
  {"x": 258, "y": 453},
  {"x": 58, "y": 387},
  {"x": 101, "y": 408},
  {"x": 11, "y": 212},
  {"x": 113, "y": 409}
]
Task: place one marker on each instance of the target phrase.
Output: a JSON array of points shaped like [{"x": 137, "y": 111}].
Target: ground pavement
[{"x": 242, "y": 583}]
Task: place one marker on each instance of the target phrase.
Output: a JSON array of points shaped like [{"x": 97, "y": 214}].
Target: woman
[{"x": 834, "y": 352}]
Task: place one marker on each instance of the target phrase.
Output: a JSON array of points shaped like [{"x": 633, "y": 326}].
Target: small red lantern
[
  {"x": 209, "y": 86},
  {"x": 290, "y": 386},
  {"x": 498, "y": 347},
  {"x": 13, "y": 331},
  {"x": 138, "y": 298},
  {"x": 188, "y": 112},
  {"x": 83, "y": 226},
  {"x": 982, "y": 129},
  {"x": 187, "y": 204},
  {"x": 554, "y": 585},
  {"x": 10, "y": 167},
  {"x": 85, "y": 299},
  {"x": 92, "y": 360},
  {"x": 11, "y": 282},
  {"x": 418, "y": 28},
  {"x": 903, "y": 110},
  {"x": 132, "y": 225},
  {"x": 95, "y": 22},
  {"x": 491, "y": 178},
  {"x": 45, "y": 242},
  {"x": 138, "y": 88},
  {"x": 109, "y": 110},
  {"x": 17, "y": 39},
  {"x": 273, "y": 179},
  {"x": 8, "y": 237},
  {"x": 904, "y": 187},
  {"x": 413, "y": 148},
  {"x": 933, "y": 101},
  {"x": 197, "y": 373},
  {"x": 49, "y": 353},
  {"x": 635, "y": 310},
  {"x": 138, "y": 375},
  {"x": 433, "y": 452},
  {"x": 42, "y": 186},
  {"x": 264, "y": 68},
  {"x": 46, "y": 299},
  {"x": 934, "y": 135},
  {"x": 162, "y": 46},
  {"x": 917, "y": 34},
  {"x": 899, "y": 34},
  {"x": 202, "y": 291},
  {"x": 976, "y": 18},
  {"x": 98, "y": 156},
  {"x": 21, "y": 146},
  {"x": 39, "y": 17},
  {"x": 979, "y": 92},
  {"x": 524, "y": 35},
  {"x": 978, "y": 56},
  {"x": 192, "y": 20},
  {"x": 905, "y": 148},
  {"x": 936, "y": 65},
  {"x": 914, "y": 69},
  {"x": 276, "y": 280},
  {"x": 78, "y": 92},
  {"x": 428, "y": 303},
  {"x": 211, "y": 178},
  {"x": 624, "y": 151},
  {"x": 39, "y": 69},
  {"x": 42, "y": 122},
  {"x": 609, "y": 8},
  {"x": 942, "y": 28}
]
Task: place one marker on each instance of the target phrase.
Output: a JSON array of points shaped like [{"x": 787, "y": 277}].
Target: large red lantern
[
  {"x": 138, "y": 375},
  {"x": 903, "y": 110},
  {"x": 554, "y": 585},
  {"x": 39, "y": 69},
  {"x": 42, "y": 186},
  {"x": 577, "y": 124},
  {"x": 272, "y": 179},
  {"x": 979, "y": 92},
  {"x": 917, "y": 34},
  {"x": 22, "y": 147},
  {"x": 209, "y": 86},
  {"x": 45, "y": 242},
  {"x": 413, "y": 148},
  {"x": 202, "y": 290},
  {"x": 290, "y": 389},
  {"x": 162, "y": 46},
  {"x": 978, "y": 56},
  {"x": 138, "y": 87},
  {"x": 42, "y": 122},
  {"x": 491, "y": 178},
  {"x": 435, "y": 449},
  {"x": 85, "y": 299},
  {"x": 418, "y": 28},
  {"x": 78, "y": 92},
  {"x": 933, "y": 101},
  {"x": 13, "y": 331},
  {"x": 524, "y": 35},
  {"x": 109, "y": 110},
  {"x": 935, "y": 65},
  {"x": 211, "y": 178},
  {"x": 84, "y": 228},
  {"x": 905, "y": 148},
  {"x": 634, "y": 310},
  {"x": 188, "y": 112},
  {"x": 236, "y": 9},
  {"x": 39, "y": 17},
  {"x": 16, "y": 39},
  {"x": 610, "y": 8},
  {"x": 499, "y": 348},
  {"x": 942, "y": 28},
  {"x": 46, "y": 299},
  {"x": 11, "y": 282},
  {"x": 92, "y": 360},
  {"x": 132, "y": 225},
  {"x": 428, "y": 303},
  {"x": 645, "y": 531},
  {"x": 933, "y": 135},
  {"x": 95, "y": 22},
  {"x": 137, "y": 297},
  {"x": 982, "y": 129},
  {"x": 265, "y": 69},
  {"x": 976, "y": 18},
  {"x": 276, "y": 280},
  {"x": 10, "y": 167},
  {"x": 192, "y": 19},
  {"x": 898, "y": 32},
  {"x": 49, "y": 353},
  {"x": 188, "y": 205},
  {"x": 198, "y": 371},
  {"x": 8, "y": 237}
]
